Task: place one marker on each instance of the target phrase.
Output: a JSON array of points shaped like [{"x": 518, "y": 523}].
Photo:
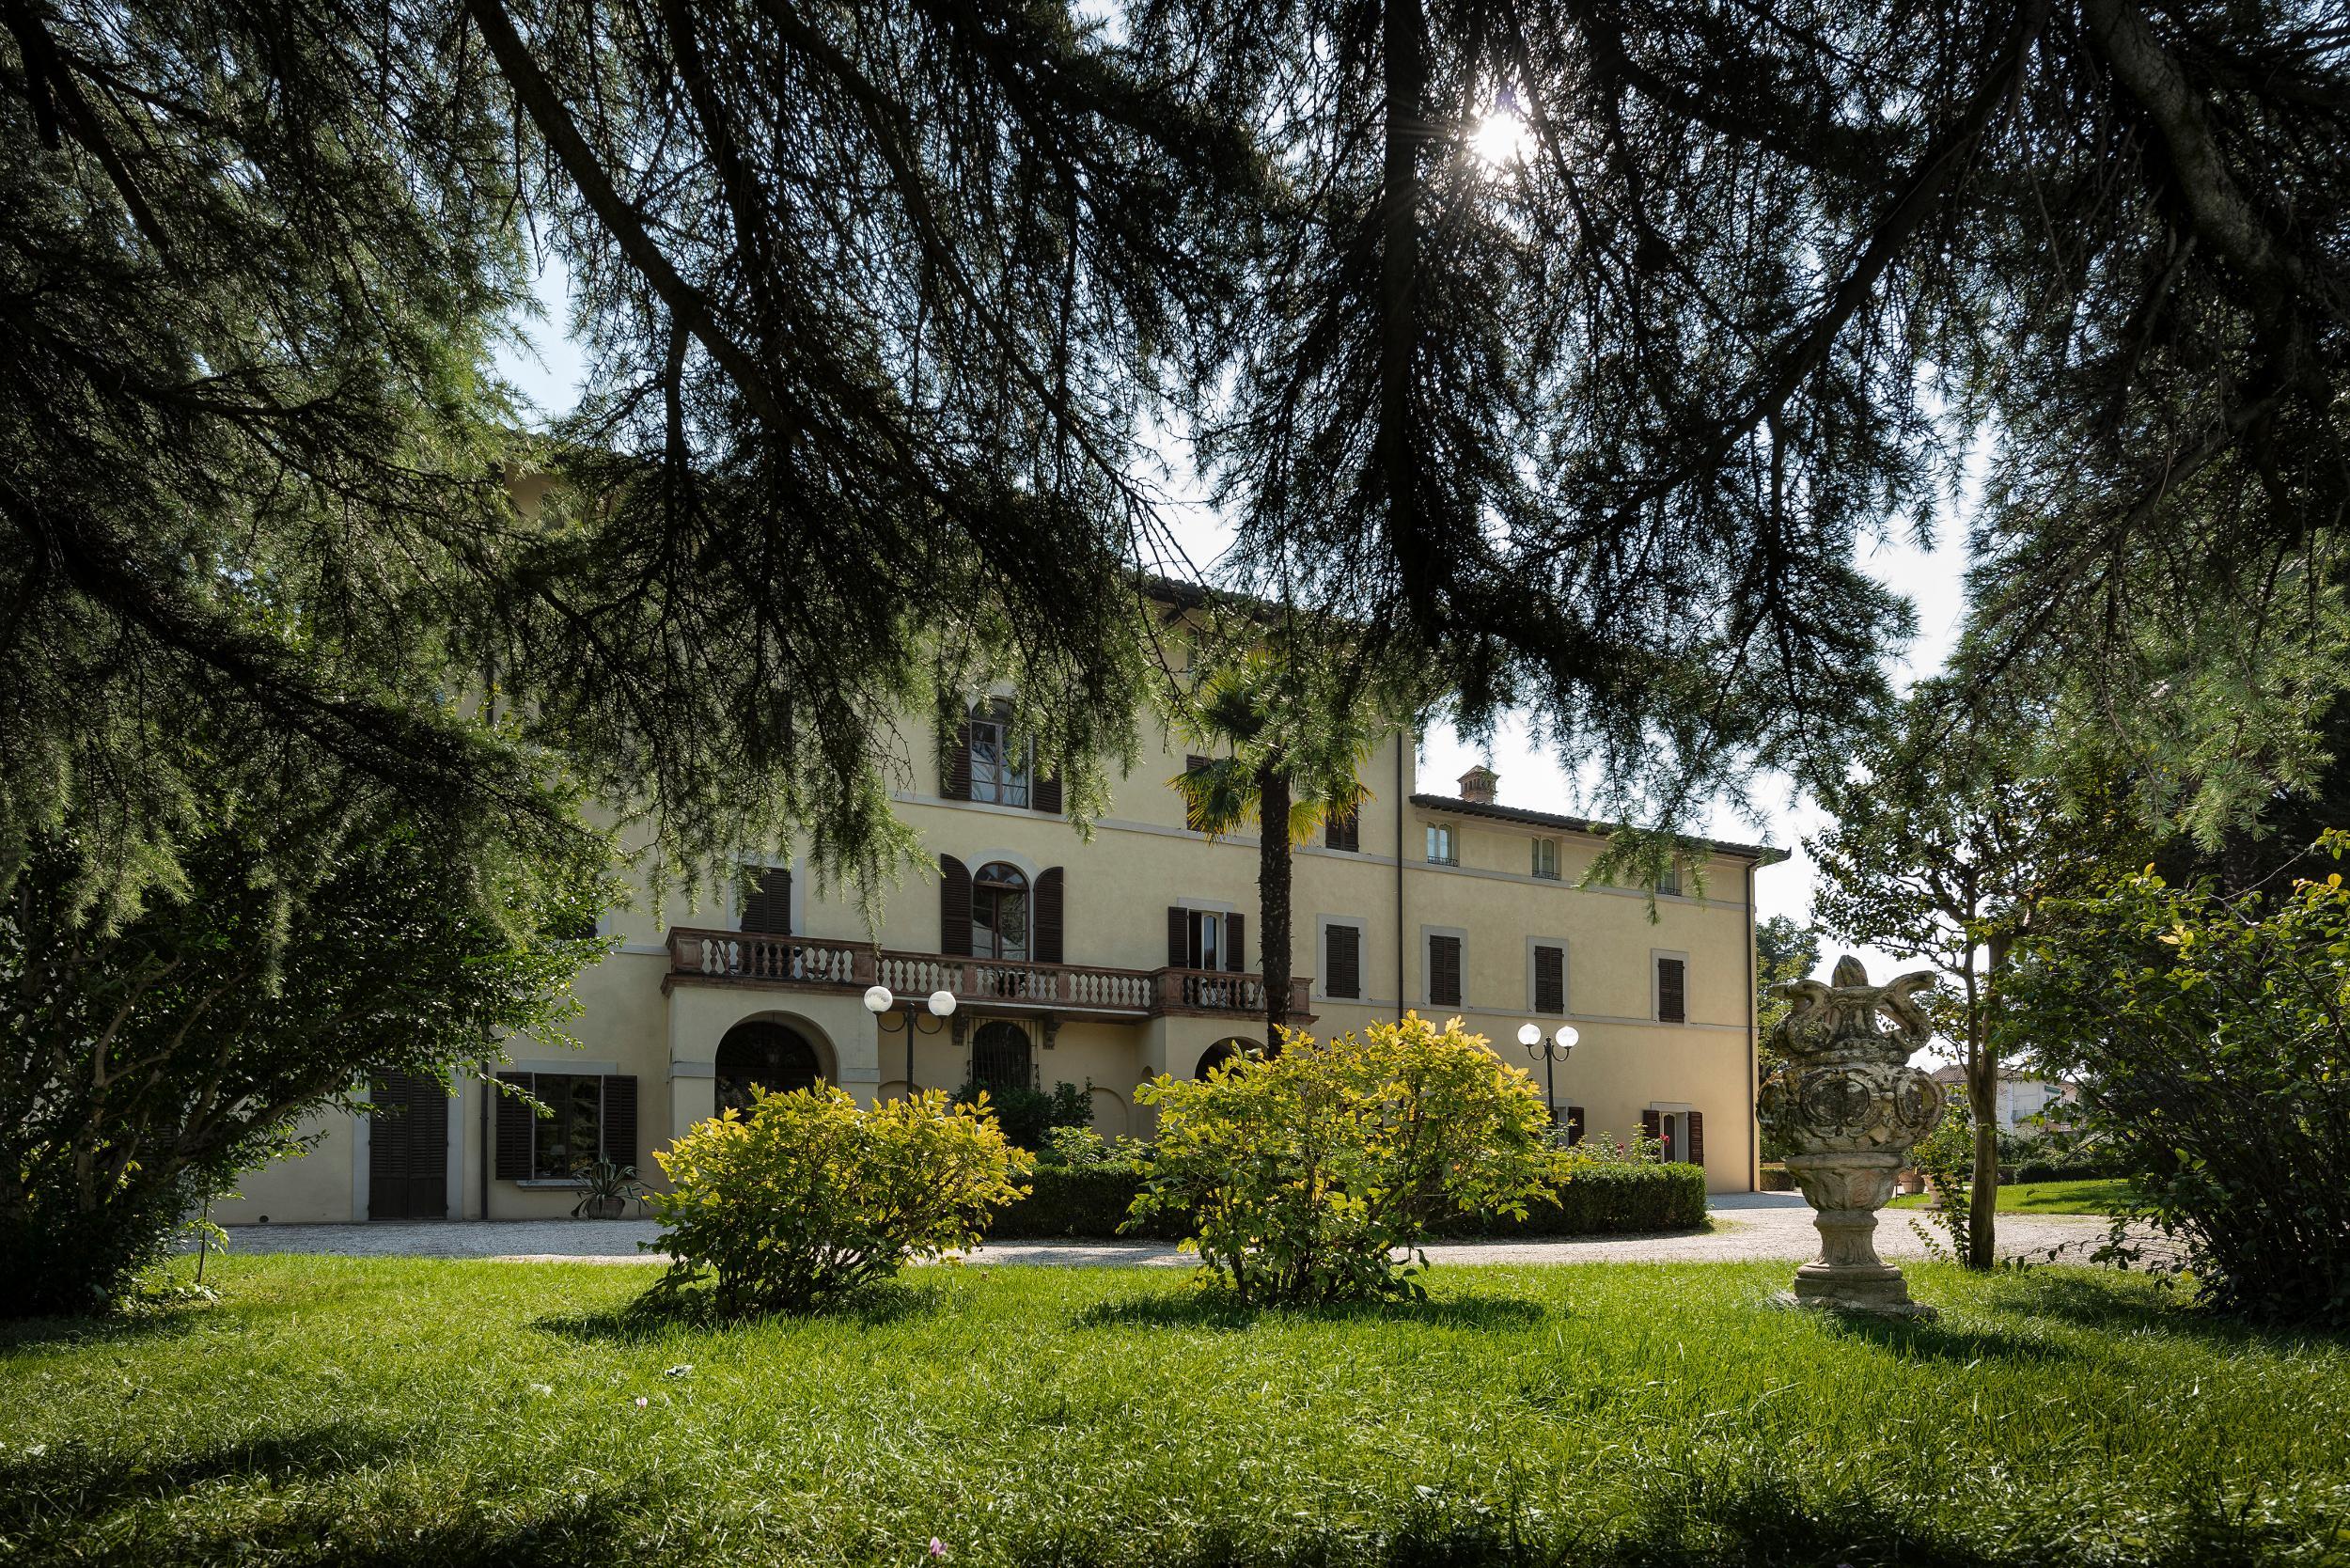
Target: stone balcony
[{"x": 1073, "y": 990}]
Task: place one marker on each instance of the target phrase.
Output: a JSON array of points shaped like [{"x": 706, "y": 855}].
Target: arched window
[
  {"x": 999, "y": 912},
  {"x": 1000, "y": 1057},
  {"x": 776, "y": 1057}
]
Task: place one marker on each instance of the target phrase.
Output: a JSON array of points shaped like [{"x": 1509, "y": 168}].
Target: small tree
[
  {"x": 1293, "y": 734},
  {"x": 2210, "y": 1038},
  {"x": 1944, "y": 849},
  {"x": 811, "y": 1196},
  {"x": 1305, "y": 1173},
  {"x": 144, "y": 1062}
]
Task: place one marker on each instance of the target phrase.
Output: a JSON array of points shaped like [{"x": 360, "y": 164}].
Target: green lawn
[
  {"x": 347, "y": 1412},
  {"x": 2094, "y": 1197}
]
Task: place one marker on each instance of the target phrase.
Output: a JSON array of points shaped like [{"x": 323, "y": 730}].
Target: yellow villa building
[{"x": 1098, "y": 962}]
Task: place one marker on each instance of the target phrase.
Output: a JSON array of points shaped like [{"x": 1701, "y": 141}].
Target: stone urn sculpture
[{"x": 1848, "y": 1108}]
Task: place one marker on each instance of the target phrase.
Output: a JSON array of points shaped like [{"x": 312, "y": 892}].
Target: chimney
[{"x": 1479, "y": 784}]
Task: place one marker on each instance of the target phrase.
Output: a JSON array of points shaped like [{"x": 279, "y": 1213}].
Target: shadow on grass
[
  {"x": 1964, "y": 1342},
  {"x": 1692, "y": 1523},
  {"x": 41, "y": 1494},
  {"x": 1198, "y": 1307},
  {"x": 656, "y": 1314},
  {"x": 2086, "y": 1299}
]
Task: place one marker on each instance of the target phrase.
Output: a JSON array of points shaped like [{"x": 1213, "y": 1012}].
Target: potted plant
[{"x": 609, "y": 1188}]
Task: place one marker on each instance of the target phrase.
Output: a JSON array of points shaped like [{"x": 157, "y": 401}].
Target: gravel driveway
[{"x": 1757, "y": 1225}]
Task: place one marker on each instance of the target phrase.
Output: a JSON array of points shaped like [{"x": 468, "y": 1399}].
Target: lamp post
[
  {"x": 1550, "y": 1052},
  {"x": 878, "y": 1001}
]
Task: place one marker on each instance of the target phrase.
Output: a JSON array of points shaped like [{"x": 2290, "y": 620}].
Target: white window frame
[
  {"x": 1557, "y": 859},
  {"x": 1361, "y": 928},
  {"x": 1207, "y": 917},
  {"x": 1656, "y": 957},
  {"x": 1427, "y": 968},
  {"x": 1566, "y": 976},
  {"x": 1451, "y": 843}
]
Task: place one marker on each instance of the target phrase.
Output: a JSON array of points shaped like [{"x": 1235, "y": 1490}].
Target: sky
[{"x": 550, "y": 368}]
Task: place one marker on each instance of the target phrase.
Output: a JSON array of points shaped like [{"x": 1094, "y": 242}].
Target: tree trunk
[
  {"x": 1404, "y": 62},
  {"x": 1273, "y": 898},
  {"x": 1983, "y": 1101}
]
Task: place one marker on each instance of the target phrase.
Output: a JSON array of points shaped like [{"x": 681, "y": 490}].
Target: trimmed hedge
[
  {"x": 1074, "y": 1200},
  {"x": 1599, "y": 1200}
]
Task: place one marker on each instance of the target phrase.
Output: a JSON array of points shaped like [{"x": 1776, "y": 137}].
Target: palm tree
[{"x": 1294, "y": 737}]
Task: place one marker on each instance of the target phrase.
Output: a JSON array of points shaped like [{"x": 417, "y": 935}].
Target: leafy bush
[
  {"x": 1946, "y": 1157},
  {"x": 1597, "y": 1199},
  {"x": 1029, "y": 1116},
  {"x": 1302, "y": 1173},
  {"x": 810, "y": 1195},
  {"x": 2210, "y": 1038},
  {"x": 152, "y": 1053}
]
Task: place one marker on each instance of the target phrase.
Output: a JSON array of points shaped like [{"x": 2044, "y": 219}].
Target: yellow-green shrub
[
  {"x": 1304, "y": 1174},
  {"x": 809, "y": 1195}
]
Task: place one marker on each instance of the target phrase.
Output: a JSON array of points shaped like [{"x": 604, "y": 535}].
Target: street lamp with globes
[
  {"x": 1550, "y": 1052},
  {"x": 878, "y": 1001}
]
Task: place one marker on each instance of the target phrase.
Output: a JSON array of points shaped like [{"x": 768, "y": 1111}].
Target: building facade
[{"x": 1096, "y": 960}]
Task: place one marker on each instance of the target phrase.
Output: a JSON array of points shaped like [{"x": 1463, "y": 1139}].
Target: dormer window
[{"x": 1546, "y": 858}]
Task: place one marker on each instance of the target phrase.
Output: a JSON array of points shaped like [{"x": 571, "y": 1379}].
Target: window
[
  {"x": 999, "y": 912},
  {"x": 1000, "y": 1057},
  {"x": 1342, "y": 959},
  {"x": 1204, "y": 945},
  {"x": 1194, "y": 818},
  {"x": 1668, "y": 886},
  {"x": 1550, "y": 977},
  {"x": 1682, "y": 1132},
  {"x": 767, "y": 904},
  {"x": 1546, "y": 858},
  {"x": 1444, "y": 970},
  {"x": 595, "y": 1119},
  {"x": 999, "y": 767},
  {"x": 1343, "y": 830},
  {"x": 1672, "y": 988},
  {"x": 1443, "y": 848}
]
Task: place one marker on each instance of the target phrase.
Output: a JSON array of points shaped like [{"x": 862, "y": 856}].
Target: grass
[
  {"x": 2092, "y": 1196},
  {"x": 405, "y": 1411}
]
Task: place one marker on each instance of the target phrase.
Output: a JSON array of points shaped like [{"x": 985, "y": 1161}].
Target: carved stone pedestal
[
  {"x": 1848, "y": 1275},
  {"x": 1850, "y": 1107}
]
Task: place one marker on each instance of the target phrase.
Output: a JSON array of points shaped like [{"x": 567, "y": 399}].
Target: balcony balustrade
[{"x": 824, "y": 963}]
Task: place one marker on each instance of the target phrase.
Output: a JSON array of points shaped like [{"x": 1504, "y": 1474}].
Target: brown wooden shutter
[
  {"x": 955, "y": 771},
  {"x": 1673, "y": 1000},
  {"x": 516, "y": 1130},
  {"x": 1697, "y": 1137},
  {"x": 1343, "y": 830},
  {"x": 767, "y": 908},
  {"x": 954, "y": 906},
  {"x": 1235, "y": 943},
  {"x": 1047, "y": 921},
  {"x": 1444, "y": 971},
  {"x": 1550, "y": 979},
  {"x": 408, "y": 1148},
  {"x": 1193, "y": 762},
  {"x": 1653, "y": 1125},
  {"x": 1044, "y": 794},
  {"x": 1178, "y": 937},
  {"x": 620, "y": 1119},
  {"x": 1342, "y": 962},
  {"x": 1574, "y": 1125}
]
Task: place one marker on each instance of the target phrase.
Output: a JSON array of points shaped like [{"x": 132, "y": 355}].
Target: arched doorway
[
  {"x": 774, "y": 1056},
  {"x": 1222, "y": 1053},
  {"x": 1000, "y": 1057}
]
